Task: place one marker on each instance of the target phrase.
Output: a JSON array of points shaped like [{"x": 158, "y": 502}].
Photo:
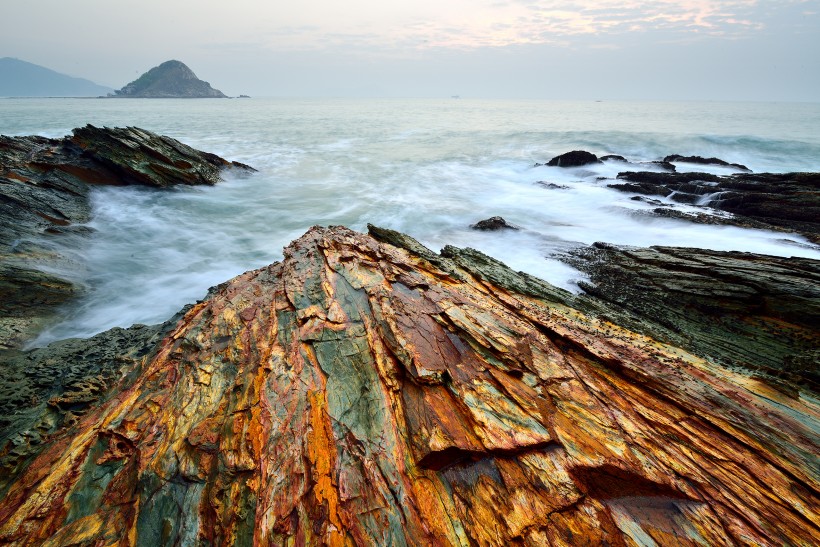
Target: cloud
[{"x": 470, "y": 24}]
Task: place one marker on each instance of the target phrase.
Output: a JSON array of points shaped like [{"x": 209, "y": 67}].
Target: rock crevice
[{"x": 361, "y": 393}]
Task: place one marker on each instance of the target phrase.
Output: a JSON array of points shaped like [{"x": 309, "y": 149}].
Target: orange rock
[{"x": 360, "y": 393}]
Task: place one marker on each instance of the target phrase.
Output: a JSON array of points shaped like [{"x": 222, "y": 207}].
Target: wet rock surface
[
  {"x": 492, "y": 224},
  {"x": 778, "y": 201},
  {"x": 44, "y": 188},
  {"x": 704, "y": 161},
  {"x": 752, "y": 311},
  {"x": 369, "y": 391},
  {"x": 576, "y": 158}
]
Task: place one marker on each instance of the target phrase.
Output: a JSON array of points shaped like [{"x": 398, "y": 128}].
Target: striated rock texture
[
  {"x": 777, "y": 201},
  {"x": 44, "y": 187},
  {"x": 362, "y": 392},
  {"x": 746, "y": 310},
  {"x": 171, "y": 79}
]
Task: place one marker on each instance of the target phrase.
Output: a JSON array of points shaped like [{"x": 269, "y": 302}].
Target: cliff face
[
  {"x": 171, "y": 79},
  {"x": 372, "y": 393}
]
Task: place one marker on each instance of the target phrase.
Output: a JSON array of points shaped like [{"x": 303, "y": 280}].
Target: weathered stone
[
  {"x": 704, "y": 161},
  {"x": 745, "y": 310},
  {"x": 357, "y": 393},
  {"x": 492, "y": 224},
  {"x": 576, "y": 158},
  {"x": 777, "y": 201},
  {"x": 44, "y": 188}
]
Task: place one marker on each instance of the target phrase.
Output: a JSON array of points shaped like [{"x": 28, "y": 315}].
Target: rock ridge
[
  {"x": 369, "y": 391},
  {"x": 44, "y": 188}
]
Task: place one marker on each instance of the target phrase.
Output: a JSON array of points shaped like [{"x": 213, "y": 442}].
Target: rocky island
[
  {"x": 172, "y": 79},
  {"x": 368, "y": 391}
]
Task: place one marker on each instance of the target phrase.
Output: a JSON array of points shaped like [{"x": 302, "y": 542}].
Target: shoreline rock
[
  {"x": 44, "y": 188},
  {"x": 368, "y": 390},
  {"x": 493, "y": 224},
  {"x": 778, "y": 201}
]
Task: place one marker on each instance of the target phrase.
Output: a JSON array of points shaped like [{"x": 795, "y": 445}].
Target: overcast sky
[{"x": 582, "y": 49}]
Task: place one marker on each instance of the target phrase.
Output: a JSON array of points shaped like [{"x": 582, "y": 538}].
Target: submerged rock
[
  {"x": 493, "y": 223},
  {"x": 373, "y": 393},
  {"x": 777, "y": 201},
  {"x": 44, "y": 187},
  {"x": 576, "y": 158},
  {"x": 613, "y": 157},
  {"x": 172, "y": 79},
  {"x": 704, "y": 161}
]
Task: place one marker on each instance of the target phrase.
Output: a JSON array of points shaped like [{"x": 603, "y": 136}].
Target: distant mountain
[
  {"x": 169, "y": 80},
  {"x": 21, "y": 79}
]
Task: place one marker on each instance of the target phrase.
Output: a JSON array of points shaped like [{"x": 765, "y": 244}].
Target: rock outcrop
[
  {"x": 44, "y": 187},
  {"x": 171, "y": 79},
  {"x": 704, "y": 161},
  {"x": 745, "y": 310},
  {"x": 777, "y": 201},
  {"x": 576, "y": 158},
  {"x": 367, "y": 391},
  {"x": 492, "y": 224}
]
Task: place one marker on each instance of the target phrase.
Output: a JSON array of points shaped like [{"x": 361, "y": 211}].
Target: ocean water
[{"x": 428, "y": 168}]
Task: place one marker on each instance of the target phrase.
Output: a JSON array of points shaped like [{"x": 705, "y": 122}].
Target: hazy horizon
[{"x": 519, "y": 49}]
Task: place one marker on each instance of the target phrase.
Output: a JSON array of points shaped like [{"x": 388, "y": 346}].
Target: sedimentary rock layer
[
  {"x": 370, "y": 393},
  {"x": 779, "y": 201},
  {"x": 745, "y": 310},
  {"x": 44, "y": 186}
]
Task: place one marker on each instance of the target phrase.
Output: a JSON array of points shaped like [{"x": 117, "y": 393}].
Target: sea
[{"x": 426, "y": 167}]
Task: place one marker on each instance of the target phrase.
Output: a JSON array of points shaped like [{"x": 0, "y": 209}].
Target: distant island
[
  {"x": 23, "y": 79},
  {"x": 171, "y": 79}
]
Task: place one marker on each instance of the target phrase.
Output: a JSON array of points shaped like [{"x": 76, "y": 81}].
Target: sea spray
[{"x": 426, "y": 168}]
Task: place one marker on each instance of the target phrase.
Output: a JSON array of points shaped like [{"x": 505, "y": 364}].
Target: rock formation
[
  {"x": 704, "y": 161},
  {"x": 492, "y": 224},
  {"x": 171, "y": 79},
  {"x": 576, "y": 158},
  {"x": 367, "y": 391},
  {"x": 778, "y": 201},
  {"x": 44, "y": 186},
  {"x": 746, "y": 310}
]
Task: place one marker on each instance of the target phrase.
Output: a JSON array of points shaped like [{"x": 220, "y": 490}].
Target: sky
[{"x": 762, "y": 50}]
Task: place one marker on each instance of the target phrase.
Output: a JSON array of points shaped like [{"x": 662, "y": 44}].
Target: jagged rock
[
  {"x": 44, "y": 187},
  {"x": 747, "y": 310},
  {"x": 359, "y": 393},
  {"x": 776, "y": 201},
  {"x": 576, "y": 158},
  {"x": 46, "y": 390},
  {"x": 613, "y": 157},
  {"x": 171, "y": 79},
  {"x": 492, "y": 223},
  {"x": 704, "y": 161}
]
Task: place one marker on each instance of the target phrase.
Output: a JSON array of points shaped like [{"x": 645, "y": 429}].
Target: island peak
[{"x": 171, "y": 79}]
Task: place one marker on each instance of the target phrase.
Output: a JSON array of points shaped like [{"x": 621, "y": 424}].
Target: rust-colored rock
[{"x": 362, "y": 393}]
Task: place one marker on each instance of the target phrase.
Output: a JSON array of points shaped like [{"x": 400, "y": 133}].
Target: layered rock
[
  {"x": 172, "y": 79},
  {"x": 44, "y": 187},
  {"x": 746, "y": 310},
  {"x": 368, "y": 391},
  {"x": 778, "y": 201}
]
